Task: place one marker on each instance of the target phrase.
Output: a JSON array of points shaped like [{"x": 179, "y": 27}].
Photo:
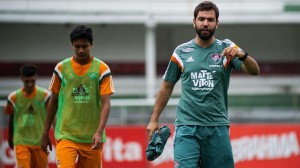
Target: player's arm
[
  {"x": 106, "y": 88},
  {"x": 54, "y": 120},
  {"x": 47, "y": 100},
  {"x": 9, "y": 109},
  {"x": 11, "y": 131},
  {"x": 105, "y": 108},
  {"x": 249, "y": 65},
  {"x": 164, "y": 93},
  {"x": 51, "y": 113}
]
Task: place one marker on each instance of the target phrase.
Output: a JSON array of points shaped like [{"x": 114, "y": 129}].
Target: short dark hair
[
  {"x": 205, "y": 6},
  {"x": 28, "y": 70},
  {"x": 81, "y": 32}
]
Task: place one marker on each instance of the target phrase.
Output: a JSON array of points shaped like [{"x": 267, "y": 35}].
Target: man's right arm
[
  {"x": 162, "y": 99},
  {"x": 9, "y": 109},
  {"x": 51, "y": 112},
  {"x": 11, "y": 131}
]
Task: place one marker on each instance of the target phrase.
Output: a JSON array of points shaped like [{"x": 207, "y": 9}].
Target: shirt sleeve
[
  {"x": 106, "y": 85},
  {"x": 10, "y": 106},
  {"x": 56, "y": 79},
  {"x": 174, "y": 69},
  {"x": 237, "y": 64},
  {"x": 47, "y": 95}
]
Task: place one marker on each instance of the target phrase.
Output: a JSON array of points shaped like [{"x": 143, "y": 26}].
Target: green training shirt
[
  {"x": 204, "y": 82},
  {"x": 29, "y": 118},
  {"x": 79, "y": 104}
]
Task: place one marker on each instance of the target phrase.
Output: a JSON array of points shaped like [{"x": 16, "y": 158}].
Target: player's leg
[
  {"x": 66, "y": 154},
  {"x": 89, "y": 158},
  {"x": 23, "y": 156},
  {"x": 217, "y": 151},
  {"x": 39, "y": 158},
  {"x": 186, "y": 147}
]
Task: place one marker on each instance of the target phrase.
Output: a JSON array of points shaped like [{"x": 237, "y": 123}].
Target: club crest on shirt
[
  {"x": 216, "y": 58},
  {"x": 93, "y": 75}
]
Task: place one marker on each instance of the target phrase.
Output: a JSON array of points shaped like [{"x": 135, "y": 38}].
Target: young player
[
  {"x": 81, "y": 87},
  {"x": 27, "y": 109}
]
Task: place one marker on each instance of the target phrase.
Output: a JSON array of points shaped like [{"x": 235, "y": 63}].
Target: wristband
[{"x": 244, "y": 57}]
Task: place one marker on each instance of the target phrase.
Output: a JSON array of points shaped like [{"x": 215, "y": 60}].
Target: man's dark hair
[
  {"x": 205, "y": 6},
  {"x": 81, "y": 32},
  {"x": 28, "y": 70}
]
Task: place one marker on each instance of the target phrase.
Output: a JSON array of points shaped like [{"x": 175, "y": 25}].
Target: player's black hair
[
  {"x": 28, "y": 70},
  {"x": 205, "y": 6},
  {"x": 81, "y": 32}
]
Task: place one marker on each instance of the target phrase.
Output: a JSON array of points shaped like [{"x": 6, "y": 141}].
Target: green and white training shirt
[{"x": 204, "y": 82}]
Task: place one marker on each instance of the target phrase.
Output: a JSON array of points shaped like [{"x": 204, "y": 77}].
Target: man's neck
[
  {"x": 82, "y": 61},
  {"x": 204, "y": 43},
  {"x": 28, "y": 91}
]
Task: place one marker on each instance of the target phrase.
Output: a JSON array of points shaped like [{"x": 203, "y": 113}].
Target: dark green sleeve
[
  {"x": 237, "y": 64},
  {"x": 172, "y": 73}
]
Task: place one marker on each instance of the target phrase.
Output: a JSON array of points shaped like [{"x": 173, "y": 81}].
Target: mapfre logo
[{"x": 187, "y": 50}]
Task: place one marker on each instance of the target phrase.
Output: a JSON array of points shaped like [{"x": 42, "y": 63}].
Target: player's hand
[
  {"x": 45, "y": 142},
  {"x": 97, "y": 141},
  {"x": 152, "y": 127},
  {"x": 233, "y": 52}
]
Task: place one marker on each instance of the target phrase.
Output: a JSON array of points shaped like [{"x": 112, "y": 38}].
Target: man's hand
[
  {"x": 45, "y": 143},
  {"x": 97, "y": 140},
  {"x": 152, "y": 127},
  {"x": 233, "y": 52}
]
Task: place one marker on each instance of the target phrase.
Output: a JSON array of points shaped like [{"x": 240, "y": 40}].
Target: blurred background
[{"x": 136, "y": 39}]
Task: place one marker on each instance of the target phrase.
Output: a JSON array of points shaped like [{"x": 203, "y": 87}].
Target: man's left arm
[
  {"x": 249, "y": 65},
  {"x": 105, "y": 108}
]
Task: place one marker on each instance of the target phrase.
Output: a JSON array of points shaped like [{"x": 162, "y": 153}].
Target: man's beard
[{"x": 207, "y": 36}]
